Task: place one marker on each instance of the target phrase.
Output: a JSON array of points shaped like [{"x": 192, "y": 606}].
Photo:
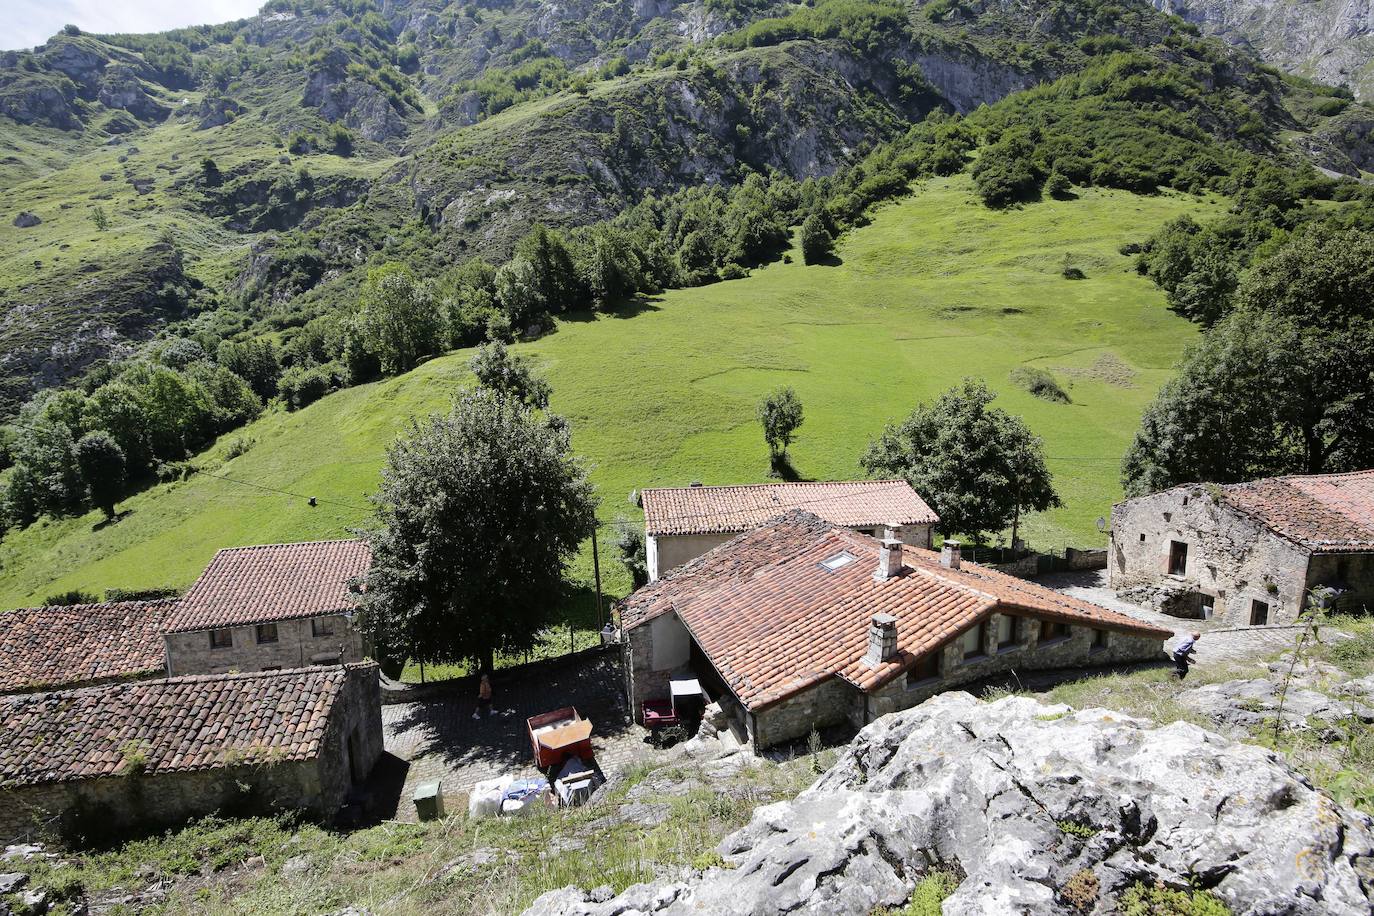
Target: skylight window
[{"x": 838, "y": 561}]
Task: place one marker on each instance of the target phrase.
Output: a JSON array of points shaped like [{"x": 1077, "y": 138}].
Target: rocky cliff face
[
  {"x": 1328, "y": 40},
  {"x": 1043, "y": 810}
]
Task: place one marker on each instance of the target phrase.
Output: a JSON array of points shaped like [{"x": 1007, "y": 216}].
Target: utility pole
[{"x": 596, "y": 573}]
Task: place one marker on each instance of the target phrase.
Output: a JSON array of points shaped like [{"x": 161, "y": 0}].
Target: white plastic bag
[{"x": 485, "y": 798}]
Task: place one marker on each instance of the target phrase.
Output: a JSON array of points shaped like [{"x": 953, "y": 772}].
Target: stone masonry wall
[
  {"x": 296, "y": 647},
  {"x": 1028, "y": 655},
  {"x": 353, "y": 740},
  {"x": 1355, "y": 571},
  {"x": 1231, "y": 558},
  {"x": 117, "y": 804},
  {"x": 826, "y": 704}
]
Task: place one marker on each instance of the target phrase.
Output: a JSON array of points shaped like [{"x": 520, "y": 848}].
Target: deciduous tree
[
  {"x": 479, "y": 512},
  {"x": 978, "y": 466},
  {"x": 780, "y": 414},
  {"x": 101, "y": 461}
]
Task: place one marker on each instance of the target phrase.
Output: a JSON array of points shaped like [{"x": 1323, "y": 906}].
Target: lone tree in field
[
  {"x": 978, "y": 466},
  {"x": 780, "y": 414},
  {"x": 817, "y": 243},
  {"x": 102, "y": 465},
  {"x": 480, "y": 511}
]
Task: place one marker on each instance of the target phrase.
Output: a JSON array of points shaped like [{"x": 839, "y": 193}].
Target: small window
[
  {"x": 1099, "y": 640},
  {"x": 973, "y": 641},
  {"x": 1142, "y": 537},
  {"x": 322, "y": 626},
  {"x": 1008, "y": 631},
  {"x": 838, "y": 561},
  {"x": 1178, "y": 558},
  {"x": 1053, "y": 631},
  {"x": 221, "y": 639},
  {"x": 267, "y": 632},
  {"x": 926, "y": 669},
  {"x": 1259, "y": 613},
  {"x": 1185, "y": 500}
]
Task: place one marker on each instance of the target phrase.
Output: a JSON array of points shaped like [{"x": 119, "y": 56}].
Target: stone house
[
  {"x": 47, "y": 648},
  {"x": 118, "y": 757},
  {"x": 270, "y": 607},
  {"x": 1248, "y": 554},
  {"x": 804, "y": 624},
  {"x": 682, "y": 523}
]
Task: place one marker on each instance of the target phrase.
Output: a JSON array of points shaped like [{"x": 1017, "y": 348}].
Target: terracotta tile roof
[
  {"x": 713, "y": 510},
  {"x": 247, "y": 585},
  {"x": 49, "y": 647},
  {"x": 176, "y": 724},
  {"x": 774, "y": 621},
  {"x": 1326, "y": 513}
]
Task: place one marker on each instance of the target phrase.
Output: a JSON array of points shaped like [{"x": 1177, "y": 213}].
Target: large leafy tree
[
  {"x": 398, "y": 318},
  {"x": 978, "y": 466},
  {"x": 101, "y": 461},
  {"x": 1283, "y": 385},
  {"x": 479, "y": 511}
]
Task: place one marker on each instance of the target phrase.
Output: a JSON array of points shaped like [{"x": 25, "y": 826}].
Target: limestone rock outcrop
[{"x": 1022, "y": 799}]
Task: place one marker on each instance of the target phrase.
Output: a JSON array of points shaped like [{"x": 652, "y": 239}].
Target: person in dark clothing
[{"x": 1183, "y": 655}]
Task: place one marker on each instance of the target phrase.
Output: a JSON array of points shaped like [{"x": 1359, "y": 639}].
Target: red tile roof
[
  {"x": 247, "y": 585},
  {"x": 773, "y": 621},
  {"x": 713, "y": 510},
  {"x": 171, "y": 725},
  {"x": 50, "y": 647},
  {"x": 1326, "y": 513}
]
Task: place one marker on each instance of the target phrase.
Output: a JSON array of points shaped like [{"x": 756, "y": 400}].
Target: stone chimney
[
  {"x": 889, "y": 559},
  {"x": 949, "y": 555},
  {"x": 882, "y": 640}
]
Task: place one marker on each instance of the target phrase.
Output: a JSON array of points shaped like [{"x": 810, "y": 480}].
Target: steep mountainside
[
  {"x": 1327, "y": 40},
  {"x": 241, "y": 178}
]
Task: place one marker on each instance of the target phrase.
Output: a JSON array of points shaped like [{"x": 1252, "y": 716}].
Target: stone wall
[
  {"x": 99, "y": 808},
  {"x": 1353, "y": 571},
  {"x": 643, "y": 680},
  {"x": 296, "y": 647},
  {"x": 118, "y": 804},
  {"x": 1029, "y": 654},
  {"x": 1232, "y": 560},
  {"x": 833, "y": 701},
  {"x": 665, "y": 552},
  {"x": 353, "y": 740},
  {"x": 826, "y": 704}
]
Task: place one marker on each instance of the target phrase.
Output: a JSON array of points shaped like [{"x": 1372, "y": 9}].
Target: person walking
[
  {"x": 483, "y": 698},
  {"x": 1183, "y": 655}
]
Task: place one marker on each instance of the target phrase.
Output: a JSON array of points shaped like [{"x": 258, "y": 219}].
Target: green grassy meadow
[{"x": 663, "y": 393}]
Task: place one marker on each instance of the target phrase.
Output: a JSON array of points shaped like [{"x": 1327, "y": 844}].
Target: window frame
[
  {"x": 1016, "y": 633},
  {"x": 1178, "y": 550},
  {"x": 981, "y": 628},
  {"x": 315, "y": 627},
  {"x": 1099, "y": 639},
  {"x": 1053, "y": 632},
  {"x": 262, "y": 628},
  {"x": 933, "y": 658},
  {"x": 1255, "y": 604},
  {"x": 227, "y": 633}
]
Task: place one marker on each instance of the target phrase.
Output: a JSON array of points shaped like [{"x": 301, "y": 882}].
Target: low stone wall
[{"x": 1094, "y": 558}]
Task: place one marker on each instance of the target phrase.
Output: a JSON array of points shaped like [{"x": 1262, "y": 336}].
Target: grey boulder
[{"x": 1021, "y": 798}]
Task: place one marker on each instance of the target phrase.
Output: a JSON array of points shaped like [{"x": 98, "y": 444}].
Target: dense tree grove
[
  {"x": 979, "y": 467},
  {"x": 479, "y": 512},
  {"x": 1283, "y": 379}
]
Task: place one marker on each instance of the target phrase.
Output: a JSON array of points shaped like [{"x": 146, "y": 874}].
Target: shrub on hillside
[{"x": 1039, "y": 383}]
